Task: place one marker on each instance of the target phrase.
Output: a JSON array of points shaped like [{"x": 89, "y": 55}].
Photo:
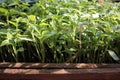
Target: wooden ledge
[
  {"x": 56, "y": 65},
  {"x": 61, "y": 71}
]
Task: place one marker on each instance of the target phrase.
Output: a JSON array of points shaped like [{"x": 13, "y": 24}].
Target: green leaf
[
  {"x": 13, "y": 23},
  {"x": 1, "y": 23},
  {"x": 28, "y": 1},
  {"x": 3, "y": 31},
  {"x": 117, "y": 28},
  {"x": 46, "y": 34},
  {"x": 12, "y": 4},
  {"x": 72, "y": 49},
  {"x": 32, "y": 18},
  {"x": 113, "y": 55},
  {"x": 9, "y": 36},
  {"x": 25, "y": 38},
  {"x": 43, "y": 24},
  {"x": 21, "y": 49},
  {"x": 96, "y": 15},
  {"x": 3, "y": 11},
  {"x": 50, "y": 34},
  {"x": 5, "y": 42}
]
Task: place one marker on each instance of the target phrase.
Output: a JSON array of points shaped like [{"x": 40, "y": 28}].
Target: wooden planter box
[{"x": 62, "y": 71}]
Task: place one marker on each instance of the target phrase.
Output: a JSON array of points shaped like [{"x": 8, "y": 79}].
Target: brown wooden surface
[
  {"x": 45, "y": 71},
  {"x": 105, "y": 76},
  {"x": 57, "y": 65},
  {"x": 58, "y": 71}
]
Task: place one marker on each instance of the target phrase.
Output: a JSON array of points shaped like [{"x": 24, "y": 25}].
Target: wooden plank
[
  {"x": 56, "y": 65},
  {"x": 61, "y": 71},
  {"x": 75, "y": 76},
  {"x": 58, "y": 71}
]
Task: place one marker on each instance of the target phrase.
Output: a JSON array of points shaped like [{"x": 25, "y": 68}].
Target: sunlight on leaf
[
  {"x": 24, "y": 38},
  {"x": 13, "y": 23},
  {"x": 9, "y": 36},
  {"x": 113, "y": 55},
  {"x": 3, "y": 11},
  {"x": 32, "y": 18},
  {"x": 5, "y": 42},
  {"x": 21, "y": 49},
  {"x": 96, "y": 15}
]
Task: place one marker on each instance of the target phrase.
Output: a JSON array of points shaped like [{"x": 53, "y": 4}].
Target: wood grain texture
[
  {"x": 56, "y": 65},
  {"x": 61, "y": 71}
]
